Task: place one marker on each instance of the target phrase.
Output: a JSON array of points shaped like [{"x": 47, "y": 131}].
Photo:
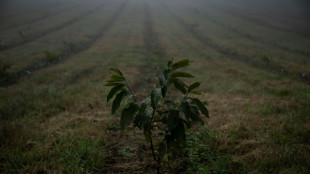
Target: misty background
[{"x": 293, "y": 15}]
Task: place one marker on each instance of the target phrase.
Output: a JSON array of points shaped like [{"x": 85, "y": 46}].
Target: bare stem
[
  {"x": 152, "y": 146},
  {"x": 151, "y": 140}
]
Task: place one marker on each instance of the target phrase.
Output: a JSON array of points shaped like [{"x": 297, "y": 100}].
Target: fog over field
[{"x": 251, "y": 57}]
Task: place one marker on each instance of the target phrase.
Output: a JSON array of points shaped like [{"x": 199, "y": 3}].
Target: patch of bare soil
[{"x": 127, "y": 154}]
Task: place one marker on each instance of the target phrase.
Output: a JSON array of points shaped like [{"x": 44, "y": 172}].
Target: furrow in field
[
  {"x": 53, "y": 29},
  {"x": 258, "y": 20},
  {"x": 35, "y": 67},
  {"x": 150, "y": 38},
  {"x": 256, "y": 39},
  {"x": 284, "y": 43},
  {"x": 23, "y": 12},
  {"x": 43, "y": 17},
  {"x": 154, "y": 53},
  {"x": 208, "y": 42}
]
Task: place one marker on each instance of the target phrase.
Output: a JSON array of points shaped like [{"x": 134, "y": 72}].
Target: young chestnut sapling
[{"x": 168, "y": 115}]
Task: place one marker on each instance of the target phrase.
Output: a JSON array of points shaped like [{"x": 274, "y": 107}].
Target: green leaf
[
  {"x": 193, "y": 86},
  {"x": 163, "y": 84},
  {"x": 180, "y": 64},
  {"x": 147, "y": 132},
  {"x": 180, "y": 86},
  {"x": 143, "y": 106},
  {"x": 112, "y": 84},
  {"x": 166, "y": 74},
  {"x": 117, "y": 77},
  {"x": 155, "y": 95},
  {"x": 117, "y": 101},
  {"x": 114, "y": 90},
  {"x": 179, "y": 132},
  {"x": 162, "y": 81},
  {"x": 196, "y": 92},
  {"x": 186, "y": 110},
  {"x": 164, "y": 91},
  {"x": 128, "y": 115},
  {"x": 144, "y": 103},
  {"x": 114, "y": 80},
  {"x": 172, "y": 120},
  {"x": 117, "y": 71},
  {"x": 169, "y": 63},
  {"x": 140, "y": 119},
  {"x": 201, "y": 106},
  {"x": 147, "y": 100},
  {"x": 195, "y": 116},
  {"x": 181, "y": 74}
]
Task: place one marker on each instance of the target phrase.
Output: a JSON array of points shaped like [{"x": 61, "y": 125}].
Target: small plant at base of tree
[{"x": 158, "y": 113}]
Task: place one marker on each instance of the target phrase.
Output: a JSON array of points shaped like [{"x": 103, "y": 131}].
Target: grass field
[{"x": 55, "y": 58}]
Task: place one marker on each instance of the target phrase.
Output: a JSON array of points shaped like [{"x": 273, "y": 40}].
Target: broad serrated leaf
[
  {"x": 180, "y": 86},
  {"x": 201, "y": 106},
  {"x": 162, "y": 81},
  {"x": 179, "y": 132},
  {"x": 193, "y": 86},
  {"x": 164, "y": 91},
  {"x": 114, "y": 90},
  {"x": 112, "y": 84},
  {"x": 166, "y": 74},
  {"x": 117, "y": 77},
  {"x": 144, "y": 103},
  {"x": 196, "y": 92},
  {"x": 117, "y": 101},
  {"x": 172, "y": 120},
  {"x": 186, "y": 110},
  {"x": 128, "y": 115},
  {"x": 180, "y": 64},
  {"x": 155, "y": 96},
  {"x": 147, "y": 100},
  {"x": 147, "y": 132},
  {"x": 140, "y": 119},
  {"x": 195, "y": 116},
  {"x": 181, "y": 74},
  {"x": 114, "y": 81},
  {"x": 117, "y": 71},
  {"x": 163, "y": 84}
]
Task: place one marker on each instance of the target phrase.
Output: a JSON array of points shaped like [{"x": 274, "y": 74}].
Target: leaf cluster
[{"x": 168, "y": 115}]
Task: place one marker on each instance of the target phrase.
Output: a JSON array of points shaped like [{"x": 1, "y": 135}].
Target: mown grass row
[
  {"x": 44, "y": 16},
  {"x": 25, "y": 11},
  {"x": 237, "y": 90},
  {"x": 52, "y": 58},
  {"x": 253, "y": 112},
  {"x": 263, "y": 62},
  {"x": 71, "y": 133},
  {"x": 32, "y": 37}
]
